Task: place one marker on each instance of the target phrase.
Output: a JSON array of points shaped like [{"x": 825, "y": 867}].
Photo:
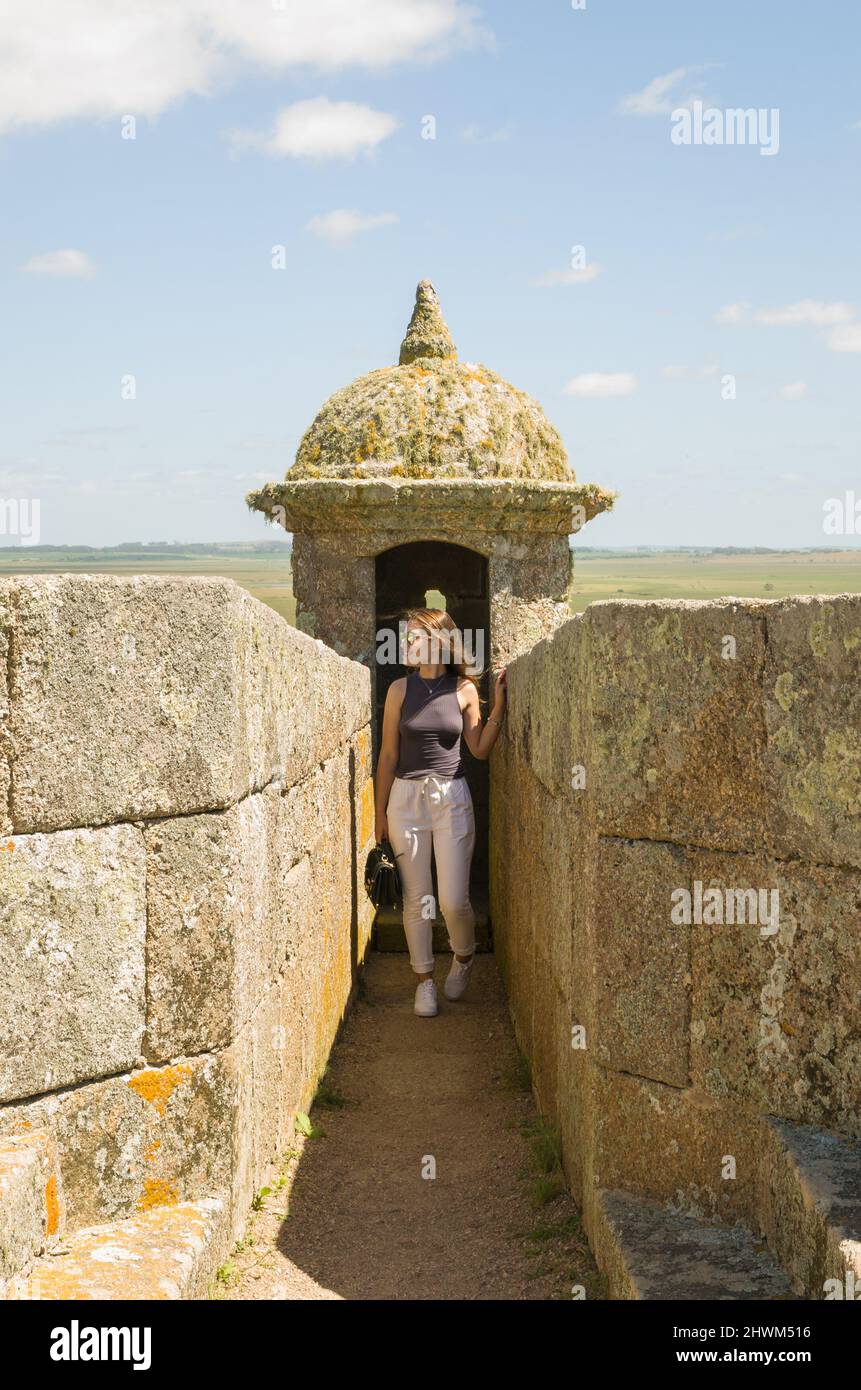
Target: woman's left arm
[{"x": 480, "y": 740}]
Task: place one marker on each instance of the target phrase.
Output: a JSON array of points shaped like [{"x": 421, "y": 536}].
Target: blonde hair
[{"x": 440, "y": 624}]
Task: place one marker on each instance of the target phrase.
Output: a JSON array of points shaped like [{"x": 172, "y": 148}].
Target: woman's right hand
[{"x": 381, "y": 828}]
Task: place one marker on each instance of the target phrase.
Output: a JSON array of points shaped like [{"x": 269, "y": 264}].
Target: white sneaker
[
  {"x": 426, "y": 1001},
  {"x": 458, "y": 977}
]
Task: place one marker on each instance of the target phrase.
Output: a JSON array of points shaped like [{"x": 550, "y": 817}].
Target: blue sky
[{"x": 152, "y": 257}]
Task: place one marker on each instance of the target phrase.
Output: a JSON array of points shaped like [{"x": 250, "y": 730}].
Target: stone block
[
  {"x": 328, "y": 568},
  {"x": 641, "y": 961},
  {"x": 170, "y": 1252},
  {"x": 562, "y": 875},
  {"x": 812, "y": 684},
  {"x": 6, "y": 592},
  {"x": 144, "y": 1139},
  {"x": 125, "y": 699},
  {"x": 31, "y": 1202},
  {"x": 233, "y": 896},
  {"x": 298, "y": 700},
  {"x": 647, "y": 1252},
  {"x": 776, "y": 1018},
  {"x": 678, "y": 731},
  {"x": 148, "y": 697},
  {"x": 72, "y": 945},
  {"x": 548, "y": 720},
  {"x": 810, "y": 1193},
  {"x": 513, "y": 907},
  {"x": 212, "y": 945},
  {"x": 549, "y": 1019},
  {"x": 364, "y": 820},
  {"x": 675, "y": 1145},
  {"x": 260, "y": 1063},
  {"x": 574, "y": 1112}
]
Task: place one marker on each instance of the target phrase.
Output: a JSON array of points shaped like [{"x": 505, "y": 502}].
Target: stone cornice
[{"x": 405, "y": 504}]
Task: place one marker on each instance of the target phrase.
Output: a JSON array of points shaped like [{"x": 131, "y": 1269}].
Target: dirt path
[{"x": 354, "y": 1218}]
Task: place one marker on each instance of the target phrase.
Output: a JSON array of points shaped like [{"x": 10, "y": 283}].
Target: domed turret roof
[{"x": 431, "y": 416}]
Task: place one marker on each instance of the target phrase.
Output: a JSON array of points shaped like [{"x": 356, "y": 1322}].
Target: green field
[
  {"x": 715, "y": 574},
  {"x": 264, "y": 570}
]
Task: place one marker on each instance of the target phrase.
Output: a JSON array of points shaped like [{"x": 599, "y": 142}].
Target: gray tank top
[{"x": 431, "y": 728}]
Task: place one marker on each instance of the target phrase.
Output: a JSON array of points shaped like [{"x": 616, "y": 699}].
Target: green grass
[
  {"x": 264, "y": 569},
  {"x": 684, "y": 574},
  {"x": 515, "y": 1072},
  {"x": 328, "y": 1095},
  {"x": 546, "y": 1144}
]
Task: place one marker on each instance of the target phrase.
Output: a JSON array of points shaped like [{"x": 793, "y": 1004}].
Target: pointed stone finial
[{"x": 427, "y": 334}]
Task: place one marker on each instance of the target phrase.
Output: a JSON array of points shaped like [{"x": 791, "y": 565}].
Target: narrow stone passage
[{"x": 355, "y": 1219}]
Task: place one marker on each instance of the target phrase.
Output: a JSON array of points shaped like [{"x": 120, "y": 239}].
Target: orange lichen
[
  {"x": 158, "y": 1192},
  {"x": 158, "y": 1085},
  {"x": 366, "y": 828},
  {"x": 52, "y": 1207}
]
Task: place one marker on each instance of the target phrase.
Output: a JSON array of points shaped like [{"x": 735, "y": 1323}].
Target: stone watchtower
[{"x": 432, "y": 475}]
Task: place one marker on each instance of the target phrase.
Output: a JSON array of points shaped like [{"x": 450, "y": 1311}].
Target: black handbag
[{"x": 382, "y": 880}]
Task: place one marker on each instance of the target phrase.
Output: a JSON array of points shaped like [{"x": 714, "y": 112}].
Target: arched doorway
[{"x": 413, "y": 575}]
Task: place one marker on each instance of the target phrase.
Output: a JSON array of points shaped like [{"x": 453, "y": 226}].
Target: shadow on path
[{"x": 356, "y": 1219}]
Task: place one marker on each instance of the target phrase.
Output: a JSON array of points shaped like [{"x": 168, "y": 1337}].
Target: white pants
[{"x": 429, "y": 809}]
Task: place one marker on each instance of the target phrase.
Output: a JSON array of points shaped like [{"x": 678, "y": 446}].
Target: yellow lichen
[
  {"x": 158, "y": 1192},
  {"x": 158, "y": 1085},
  {"x": 52, "y": 1206},
  {"x": 783, "y": 691},
  {"x": 819, "y": 637}
]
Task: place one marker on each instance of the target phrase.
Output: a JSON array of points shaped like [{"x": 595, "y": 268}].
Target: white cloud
[
  {"x": 808, "y": 311},
  {"x": 690, "y": 373},
  {"x": 655, "y": 98},
  {"x": 320, "y": 129},
  {"x": 599, "y": 386},
  {"x": 342, "y": 224},
  {"x": 551, "y": 278},
  {"x": 814, "y": 312},
  {"x": 733, "y": 313},
  {"x": 69, "y": 263},
  {"x": 847, "y": 338},
  {"x": 795, "y": 391},
  {"x": 64, "y": 59}
]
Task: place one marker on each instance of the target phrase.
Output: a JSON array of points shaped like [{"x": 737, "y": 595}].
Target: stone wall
[
  {"x": 185, "y": 808},
  {"x": 721, "y": 744}
]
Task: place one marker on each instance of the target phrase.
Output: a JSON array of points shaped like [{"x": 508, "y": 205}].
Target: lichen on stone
[
  {"x": 427, "y": 333},
  {"x": 431, "y": 418}
]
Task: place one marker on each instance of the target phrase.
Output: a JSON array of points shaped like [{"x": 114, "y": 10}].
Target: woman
[{"x": 422, "y": 796}]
